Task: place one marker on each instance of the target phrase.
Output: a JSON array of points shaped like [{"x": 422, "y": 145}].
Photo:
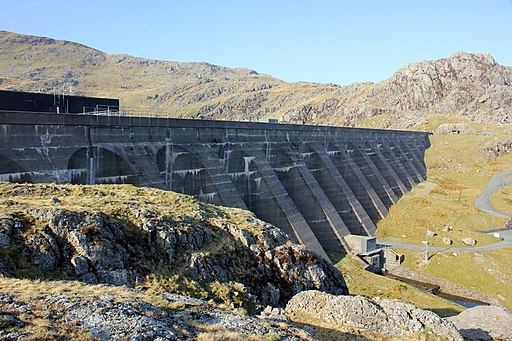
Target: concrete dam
[{"x": 319, "y": 184}]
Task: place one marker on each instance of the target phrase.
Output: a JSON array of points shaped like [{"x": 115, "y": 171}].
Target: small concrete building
[
  {"x": 362, "y": 244},
  {"x": 392, "y": 259},
  {"x": 368, "y": 250}
]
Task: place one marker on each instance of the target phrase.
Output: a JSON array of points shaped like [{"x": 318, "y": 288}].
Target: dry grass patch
[
  {"x": 485, "y": 274},
  {"x": 502, "y": 199},
  {"x": 364, "y": 283},
  {"x": 461, "y": 173}
]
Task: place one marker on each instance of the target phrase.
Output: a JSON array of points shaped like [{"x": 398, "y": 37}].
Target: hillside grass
[
  {"x": 457, "y": 174},
  {"x": 364, "y": 283},
  {"x": 488, "y": 272},
  {"x": 502, "y": 199},
  {"x": 459, "y": 169}
]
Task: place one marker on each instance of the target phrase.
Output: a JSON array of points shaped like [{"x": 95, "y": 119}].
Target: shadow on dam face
[
  {"x": 318, "y": 184},
  {"x": 11, "y": 171},
  {"x": 96, "y": 165}
]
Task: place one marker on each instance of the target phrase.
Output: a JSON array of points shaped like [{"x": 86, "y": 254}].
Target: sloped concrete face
[{"x": 319, "y": 184}]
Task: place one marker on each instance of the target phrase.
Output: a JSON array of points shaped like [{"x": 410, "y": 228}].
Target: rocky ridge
[
  {"x": 216, "y": 252},
  {"x": 121, "y": 317},
  {"x": 473, "y": 87},
  {"x": 70, "y": 310}
]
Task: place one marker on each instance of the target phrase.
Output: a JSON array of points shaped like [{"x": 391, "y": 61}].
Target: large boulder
[
  {"x": 379, "y": 318},
  {"x": 469, "y": 241},
  {"x": 484, "y": 323}
]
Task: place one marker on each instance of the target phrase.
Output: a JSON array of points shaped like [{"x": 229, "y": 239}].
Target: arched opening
[
  {"x": 97, "y": 165},
  {"x": 190, "y": 176},
  {"x": 289, "y": 174},
  {"x": 331, "y": 189}
]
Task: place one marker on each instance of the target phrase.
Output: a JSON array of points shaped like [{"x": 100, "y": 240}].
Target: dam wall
[{"x": 317, "y": 183}]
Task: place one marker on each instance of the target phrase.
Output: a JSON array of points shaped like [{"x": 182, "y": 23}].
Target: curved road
[{"x": 483, "y": 202}]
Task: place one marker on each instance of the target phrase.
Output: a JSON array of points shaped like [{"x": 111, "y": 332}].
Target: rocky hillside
[
  {"x": 119, "y": 262},
  {"x": 156, "y": 240},
  {"x": 471, "y": 86}
]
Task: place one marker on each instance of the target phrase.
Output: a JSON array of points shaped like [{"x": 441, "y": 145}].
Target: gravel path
[{"x": 483, "y": 202}]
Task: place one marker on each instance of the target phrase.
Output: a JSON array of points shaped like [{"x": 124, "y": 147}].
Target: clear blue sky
[{"x": 318, "y": 40}]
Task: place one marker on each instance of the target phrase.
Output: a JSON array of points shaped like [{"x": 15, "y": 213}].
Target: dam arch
[{"x": 99, "y": 165}]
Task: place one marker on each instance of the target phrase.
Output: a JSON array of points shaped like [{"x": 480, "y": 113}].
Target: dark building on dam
[{"x": 319, "y": 184}]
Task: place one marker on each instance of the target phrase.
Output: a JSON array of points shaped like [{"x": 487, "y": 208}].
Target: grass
[
  {"x": 459, "y": 168},
  {"x": 485, "y": 272},
  {"x": 502, "y": 199},
  {"x": 364, "y": 283}
]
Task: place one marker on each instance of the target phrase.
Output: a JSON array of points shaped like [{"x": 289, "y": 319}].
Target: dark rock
[
  {"x": 89, "y": 278},
  {"x": 80, "y": 265},
  {"x": 114, "y": 277},
  {"x": 6, "y": 228}
]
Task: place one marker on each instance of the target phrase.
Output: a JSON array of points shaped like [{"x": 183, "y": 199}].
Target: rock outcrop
[
  {"x": 239, "y": 259},
  {"x": 484, "y": 323},
  {"x": 494, "y": 149},
  {"x": 472, "y": 85},
  {"x": 118, "y": 317},
  {"x": 378, "y": 317},
  {"x": 469, "y": 241}
]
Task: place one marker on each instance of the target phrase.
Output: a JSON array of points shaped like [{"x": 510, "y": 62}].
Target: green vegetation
[
  {"x": 487, "y": 272},
  {"x": 364, "y": 283},
  {"x": 459, "y": 168}
]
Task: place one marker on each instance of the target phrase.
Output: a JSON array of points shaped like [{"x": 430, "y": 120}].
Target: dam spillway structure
[{"x": 320, "y": 184}]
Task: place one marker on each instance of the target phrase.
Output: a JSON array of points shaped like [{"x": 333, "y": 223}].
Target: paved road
[
  {"x": 506, "y": 235},
  {"x": 483, "y": 202}
]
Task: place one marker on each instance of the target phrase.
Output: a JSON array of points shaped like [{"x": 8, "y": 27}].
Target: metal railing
[{"x": 124, "y": 111}]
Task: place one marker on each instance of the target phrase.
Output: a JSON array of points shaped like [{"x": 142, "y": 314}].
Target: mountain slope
[{"x": 472, "y": 86}]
